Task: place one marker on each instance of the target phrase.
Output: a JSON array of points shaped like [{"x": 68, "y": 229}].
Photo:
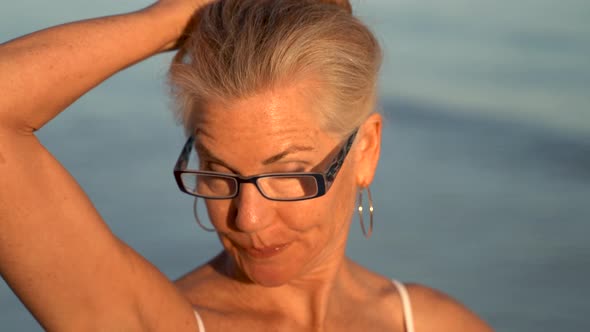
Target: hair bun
[{"x": 345, "y": 4}]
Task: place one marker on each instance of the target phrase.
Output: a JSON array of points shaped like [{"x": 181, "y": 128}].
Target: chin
[{"x": 267, "y": 274}]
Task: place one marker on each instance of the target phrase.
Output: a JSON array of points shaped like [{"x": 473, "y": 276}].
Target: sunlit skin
[{"x": 244, "y": 134}]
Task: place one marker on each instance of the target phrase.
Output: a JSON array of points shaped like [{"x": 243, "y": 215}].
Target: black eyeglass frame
[{"x": 324, "y": 180}]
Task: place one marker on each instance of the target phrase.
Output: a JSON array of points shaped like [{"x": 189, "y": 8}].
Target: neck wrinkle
[{"x": 306, "y": 300}]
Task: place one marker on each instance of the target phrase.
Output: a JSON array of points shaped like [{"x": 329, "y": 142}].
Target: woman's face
[{"x": 272, "y": 242}]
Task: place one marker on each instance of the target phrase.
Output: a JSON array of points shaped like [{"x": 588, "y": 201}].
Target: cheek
[
  {"x": 218, "y": 212},
  {"x": 330, "y": 214},
  {"x": 320, "y": 219},
  {"x": 303, "y": 215},
  {"x": 338, "y": 205}
]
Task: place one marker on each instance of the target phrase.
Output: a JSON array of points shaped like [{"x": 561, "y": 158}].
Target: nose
[{"x": 253, "y": 211}]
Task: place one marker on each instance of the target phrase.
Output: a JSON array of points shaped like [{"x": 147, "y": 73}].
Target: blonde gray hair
[{"x": 237, "y": 48}]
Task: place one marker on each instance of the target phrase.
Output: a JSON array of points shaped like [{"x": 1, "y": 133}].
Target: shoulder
[{"x": 436, "y": 311}]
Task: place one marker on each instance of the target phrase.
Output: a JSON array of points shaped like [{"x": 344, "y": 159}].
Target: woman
[{"x": 277, "y": 99}]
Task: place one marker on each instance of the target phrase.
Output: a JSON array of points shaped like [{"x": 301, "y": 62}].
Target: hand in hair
[{"x": 184, "y": 10}]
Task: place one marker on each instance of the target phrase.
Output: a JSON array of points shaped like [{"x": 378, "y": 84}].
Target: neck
[{"x": 307, "y": 299}]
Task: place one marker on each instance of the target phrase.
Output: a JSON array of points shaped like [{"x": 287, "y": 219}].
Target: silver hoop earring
[
  {"x": 211, "y": 230},
  {"x": 366, "y": 233}
]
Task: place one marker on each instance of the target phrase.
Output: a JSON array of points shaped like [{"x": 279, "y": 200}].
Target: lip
[{"x": 266, "y": 252}]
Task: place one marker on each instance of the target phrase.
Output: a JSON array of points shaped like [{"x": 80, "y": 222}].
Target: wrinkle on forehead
[{"x": 261, "y": 126}]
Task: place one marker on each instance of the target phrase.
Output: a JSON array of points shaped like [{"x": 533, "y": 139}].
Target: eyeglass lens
[{"x": 274, "y": 187}]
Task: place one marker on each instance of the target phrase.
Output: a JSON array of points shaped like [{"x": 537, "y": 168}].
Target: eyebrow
[
  {"x": 288, "y": 151},
  {"x": 201, "y": 149},
  {"x": 277, "y": 157}
]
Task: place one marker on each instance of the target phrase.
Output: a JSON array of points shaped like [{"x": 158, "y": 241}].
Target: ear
[{"x": 368, "y": 149}]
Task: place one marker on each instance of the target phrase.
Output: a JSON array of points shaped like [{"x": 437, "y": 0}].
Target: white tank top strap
[
  {"x": 406, "y": 304},
  {"x": 199, "y": 321}
]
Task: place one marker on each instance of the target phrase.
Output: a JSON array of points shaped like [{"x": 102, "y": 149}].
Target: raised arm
[
  {"x": 56, "y": 253},
  {"x": 44, "y": 72}
]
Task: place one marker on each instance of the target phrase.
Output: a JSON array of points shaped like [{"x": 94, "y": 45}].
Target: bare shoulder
[{"x": 436, "y": 311}]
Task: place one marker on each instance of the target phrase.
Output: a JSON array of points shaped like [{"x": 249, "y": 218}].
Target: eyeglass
[{"x": 289, "y": 186}]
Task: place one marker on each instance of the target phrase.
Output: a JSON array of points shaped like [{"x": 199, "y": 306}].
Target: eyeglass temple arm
[
  {"x": 183, "y": 158},
  {"x": 337, "y": 164}
]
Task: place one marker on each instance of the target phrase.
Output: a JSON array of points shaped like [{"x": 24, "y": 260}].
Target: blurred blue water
[{"x": 484, "y": 182}]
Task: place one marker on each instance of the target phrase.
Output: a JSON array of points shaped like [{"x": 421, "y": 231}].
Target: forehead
[{"x": 273, "y": 117}]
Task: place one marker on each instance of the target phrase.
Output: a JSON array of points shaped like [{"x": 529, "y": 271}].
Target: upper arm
[
  {"x": 436, "y": 311},
  {"x": 61, "y": 259}
]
